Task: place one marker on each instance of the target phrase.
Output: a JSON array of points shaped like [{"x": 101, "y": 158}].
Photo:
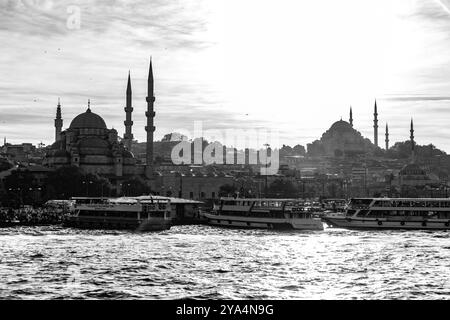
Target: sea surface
[{"x": 202, "y": 262}]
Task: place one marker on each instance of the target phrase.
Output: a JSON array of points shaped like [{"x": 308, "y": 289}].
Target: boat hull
[
  {"x": 384, "y": 223},
  {"x": 259, "y": 223},
  {"x": 116, "y": 224}
]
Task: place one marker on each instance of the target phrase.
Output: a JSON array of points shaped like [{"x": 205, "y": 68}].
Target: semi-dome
[{"x": 89, "y": 120}]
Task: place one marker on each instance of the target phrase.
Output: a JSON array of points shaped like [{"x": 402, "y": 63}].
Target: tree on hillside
[
  {"x": 18, "y": 188},
  {"x": 299, "y": 150},
  {"x": 285, "y": 150},
  {"x": 227, "y": 190},
  {"x": 65, "y": 182},
  {"x": 174, "y": 136},
  {"x": 5, "y": 165},
  {"x": 71, "y": 181},
  {"x": 283, "y": 189},
  {"x": 402, "y": 150},
  {"x": 135, "y": 187}
]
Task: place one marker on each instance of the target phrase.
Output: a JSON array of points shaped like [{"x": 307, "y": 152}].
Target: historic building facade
[{"x": 90, "y": 145}]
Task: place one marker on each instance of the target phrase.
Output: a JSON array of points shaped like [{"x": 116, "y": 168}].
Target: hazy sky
[{"x": 291, "y": 65}]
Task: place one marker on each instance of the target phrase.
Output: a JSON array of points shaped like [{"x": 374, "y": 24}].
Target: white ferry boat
[
  {"x": 393, "y": 213},
  {"x": 120, "y": 213},
  {"x": 262, "y": 214}
]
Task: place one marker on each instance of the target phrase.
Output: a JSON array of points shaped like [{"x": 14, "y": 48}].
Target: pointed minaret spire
[
  {"x": 351, "y": 117},
  {"x": 89, "y": 106},
  {"x": 387, "y": 137},
  {"x": 411, "y": 131},
  {"x": 375, "y": 124},
  {"x": 150, "y": 128},
  {"x": 58, "y": 121},
  {"x": 128, "y": 136},
  {"x": 129, "y": 83}
]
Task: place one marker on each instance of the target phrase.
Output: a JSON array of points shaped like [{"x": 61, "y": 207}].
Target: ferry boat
[
  {"x": 279, "y": 214},
  {"x": 120, "y": 213},
  {"x": 393, "y": 213}
]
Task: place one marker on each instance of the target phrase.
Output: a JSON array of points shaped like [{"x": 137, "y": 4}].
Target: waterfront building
[
  {"x": 90, "y": 145},
  {"x": 21, "y": 153},
  {"x": 192, "y": 185}
]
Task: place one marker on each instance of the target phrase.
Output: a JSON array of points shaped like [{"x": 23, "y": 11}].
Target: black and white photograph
[{"x": 243, "y": 151}]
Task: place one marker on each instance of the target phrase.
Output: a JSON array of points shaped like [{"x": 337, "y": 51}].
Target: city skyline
[{"x": 211, "y": 65}]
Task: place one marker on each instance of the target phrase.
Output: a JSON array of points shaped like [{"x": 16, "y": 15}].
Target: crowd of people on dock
[{"x": 30, "y": 216}]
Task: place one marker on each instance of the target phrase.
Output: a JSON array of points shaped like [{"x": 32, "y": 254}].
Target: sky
[{"x": 285, "y": 65}]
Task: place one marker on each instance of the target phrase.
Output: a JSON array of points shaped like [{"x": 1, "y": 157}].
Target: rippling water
[{"x": 203, "y": 262}]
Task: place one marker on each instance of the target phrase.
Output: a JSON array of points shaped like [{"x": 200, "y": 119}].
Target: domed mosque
[
  {"x": 341, "y": 139},
  {"x": 90, "y": 145}
]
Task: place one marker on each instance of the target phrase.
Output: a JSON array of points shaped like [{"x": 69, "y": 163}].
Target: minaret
[
  {"x": 58, "y": 122},
  {"x": 387, "y": 137},
  {"x": 128, "y": 136},
  {"x": 351, "y": 117},
  {"x": 375, "y": 125},
  {"x": 150, "y": 128},
  {"x": 413, "y": 156}
]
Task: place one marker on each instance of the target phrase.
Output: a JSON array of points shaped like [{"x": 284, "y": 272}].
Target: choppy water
[{"x": 205, "y": 262}]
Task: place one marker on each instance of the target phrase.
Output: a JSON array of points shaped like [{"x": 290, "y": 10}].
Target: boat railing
[{"x": 95, "y": 205}]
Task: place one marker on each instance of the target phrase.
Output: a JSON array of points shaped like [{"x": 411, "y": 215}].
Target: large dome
[
  {"x": 88, "y": 120},
  {"x": 341, "y": 126}
]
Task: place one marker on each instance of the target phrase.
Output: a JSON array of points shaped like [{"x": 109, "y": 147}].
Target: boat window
[
  {"x": 157, "y": 214},
  {"x": 144, "y": 215}
]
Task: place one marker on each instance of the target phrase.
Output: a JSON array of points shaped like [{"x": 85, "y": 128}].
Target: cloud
[
  {"x": 416, "y": 98},
  {"x": 292, "y": 66},
  {"x": 44, "y": 59}
]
